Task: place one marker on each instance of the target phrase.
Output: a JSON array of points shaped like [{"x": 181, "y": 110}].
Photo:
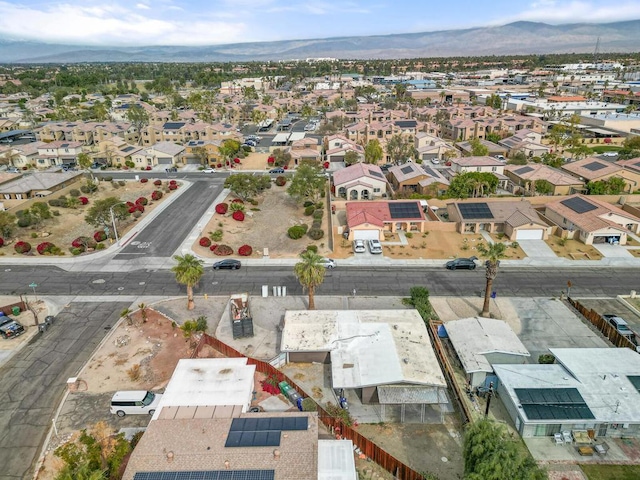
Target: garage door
[
  {"x": 366, "y": 235},
  {"x": 529, "y": 234}
]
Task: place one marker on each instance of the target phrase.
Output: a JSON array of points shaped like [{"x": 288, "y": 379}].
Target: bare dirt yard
[
  {"x": 62, "y": 229},
  {"x": 573, "y": 249},
  {"x": 264, "y": 226}
]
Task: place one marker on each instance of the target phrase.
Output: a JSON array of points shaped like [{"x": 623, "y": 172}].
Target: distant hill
[{"x": 511, "y": 39}]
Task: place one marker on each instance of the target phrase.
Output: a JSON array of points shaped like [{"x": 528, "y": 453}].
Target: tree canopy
[
  {"x": 307, "y": 182},
  {"x": 99, "y": 214},
  {"x": 472, "y": 184},
  {"x": 400, "y": 148},
  {"x": 246, "y": 185},
  {"x": 310, "y": 273},
  {"x": 188, "y": 271},
  {"x": 373, "y": 151}
]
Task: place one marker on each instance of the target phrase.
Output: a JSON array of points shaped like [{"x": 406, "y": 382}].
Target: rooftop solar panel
[
  {"x": 635, "y": 381},
  {"x": 265, "y": 438},
  {"x": 208, "y": 475},
  {"x": 578, "y": 205},
  {"x": 523, "y": 170},
  {"x": 270, "y": 423},
  {"x": 430, "y": 171},
  {"x": 553, "y": 404},
  {"x": 594, "y": 166},
  {"x": 474, "y": 211},
  {"x": 406, "y": 170},
  {"x": 405, "y": 210},
  {"x": 376, "y": 173}
]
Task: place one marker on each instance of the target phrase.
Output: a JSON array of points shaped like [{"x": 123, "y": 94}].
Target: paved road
[
  {"x": 34, "y": 380},
  {"x": 165, "y": 233},
  {"x": 586, "y": 282}
]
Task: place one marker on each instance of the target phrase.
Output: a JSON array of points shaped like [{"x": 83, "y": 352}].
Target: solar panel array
[
  {"x": 523, "y": 170},
  {"x": 553, "y": 404},
  {"x": 637, "y": 164},
  {"x": 262, "y": 432},
  {"x": 404, "y": 210},
  {"x": 208, "y": 475},
  {"x": 635, "y": 381},
  {"x": 578, "y": 205},
  {"x": 376, "y": 173},
  {"x": 594, "y": 166},
  {"x": 473, "y": 211},
  {"x": 430, "y": 171},
  {"x": 406, "y": 170}
]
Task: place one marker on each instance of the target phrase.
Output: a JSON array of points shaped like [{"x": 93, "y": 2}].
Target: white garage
[
  {"x": 533, "y": 234},
  {"x": 366, "y": 234}
]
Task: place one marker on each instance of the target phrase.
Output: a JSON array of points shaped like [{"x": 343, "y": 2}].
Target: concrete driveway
[
  {"x": 536, "y": 249},
  {"x": 612, "y": 251},
  {"x": 613, "y": 306}
]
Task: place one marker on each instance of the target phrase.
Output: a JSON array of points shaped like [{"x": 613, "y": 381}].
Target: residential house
[
  {"x": 360, "y": 181},
  {"x": 406, "y": 177},
  {"x": 478, "y": 164},
  {"x": 210, "y": 146},
  {"x": 523, "y": 179},
  {"x": 435, "y": 185},
  {"x": 586, "y": 389},
  {"x": 58, "y": 152},
  {"x": 593, "y": 169},
  {"x": 24, "y": 155},
  {"x": 433, "y": 147},
  {"x": 526, "y": 141},
  {"x": 38, "y": 184},
  {"x": 384, "y": 357},
  {"x": 305, "y": 149},
  {"x": 592, "y": 221},
  {"x": 163, "y": 153},
  {"x": 480, "y": 343},
  {"x": 335, "y": 156},
  {"x": 370, "y": 220},
  {"x": 517, "y": 220},
  {"x": 493, "y": 149}
]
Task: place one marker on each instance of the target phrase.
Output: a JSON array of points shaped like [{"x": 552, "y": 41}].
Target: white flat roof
[
  {"x": 280, "y": 138},
  {"x": 368, "y": 347},
  {"x": 210, "y": 382},
  {"x": 336, "y": 460},
  {"x": 293, "y": 136},
  {"x": 476, "y": 336}
]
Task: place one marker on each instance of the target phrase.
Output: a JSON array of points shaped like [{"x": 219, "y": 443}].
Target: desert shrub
[
  {"x": 135, "y": 372},
  {"x": 173, "y": 186},
  {"x": 319, "y": 206},
  {"x": 74, "y": 192},
  {"x": 216, "y": 236},
  {"x": 222, "y": 208},
  {"x": 129, "y": 163},
  {"x": 205, "y": 242},
  {"x": 514, "y": 245},
  {"x": 142, "y": 201},
  {"x": 144, "y": 180},
  {"x": 213, "y": 246},
  {"x": 22, "y": 247},
  {"x": 122, "y": 183},
  {"x": 173, "y": 182},
  {"x": 309, "y": 210},
  {"x": 316, "y": 224},
  {"x": 236, "y": 207},
  {"x": 55, "y": 213},
  {"x": 546, "y": 359},
  {"x": 1, "y": 241},
  {"x": 138, "y": 213},
  {"x": 101, "y": 246},
  {"x": 408, "y": 235},
  {"x": 139, "y": 208},
  {"x": 307, "y": 203},
  {"x": 100, "y": 236},
  {"x": 24, "y": 221},
  {"x": 156, "y": 195},
  {"x": 281, "y": 181},
  {"x": 85, "y": 189},
  {"x": 106, "y": 179},
  {"x": 237, "y": 200},
  {"x": 317, "y": 215},
  {"x": 312, "y": 248},
  {"x": 157, "y": 183},
  {"x": 131, "y": 204},
  {"x": 83, "y": 200},
  {"x": 114, "y": 185},
  {"x": 309, "y": 405},
  {"x": 84, "y": 242},
  {"x": 245, "y": 250},
  {"x": 296, "y": 232},
  {"x": 223, "y": 250},
  {"x": 46, "y": 248},
  {"x": 253, "y": 202},
  {"x": 76, "y": 251},
  {"x": 316, "y": 233},
  {"x": 238, "y": 216},
  {"x": 34, "y": 235}
]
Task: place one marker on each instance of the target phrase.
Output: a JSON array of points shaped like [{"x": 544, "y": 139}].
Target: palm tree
[
  {"x": 188, "y": 271},
  {"x": 493, "y": 253},
  {"x": 310, "y": 273}
]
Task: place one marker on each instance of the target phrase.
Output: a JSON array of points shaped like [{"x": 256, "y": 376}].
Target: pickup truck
[{"x": 9, "y": 328}]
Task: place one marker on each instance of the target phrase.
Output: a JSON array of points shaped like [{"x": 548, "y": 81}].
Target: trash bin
[
  {"x": 42, "y": 327},
  {"x": 15, "y": 310}
]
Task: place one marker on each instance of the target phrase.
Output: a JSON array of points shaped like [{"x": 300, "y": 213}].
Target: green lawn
[
  {"x": 605, "y": 148},
  {"x": 611, "y": 472}
]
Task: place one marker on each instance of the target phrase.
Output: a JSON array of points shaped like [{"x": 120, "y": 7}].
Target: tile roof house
[
  {"x": 492, "y": 148},
  {"x": 369, "y": 220},
  {"x": 523, "y": 179},
  {"x": 526, "y": 141},
  {"x": 360, "y": 181},
  {"x": 592, "y": 221},
  {"x": 518, "y": 220},
  {"x": 592, "y": 169},
  {"x": 58, "y": 152},
  {"x": 406, "y": 177},
  {"x": 38, "y": 184}
]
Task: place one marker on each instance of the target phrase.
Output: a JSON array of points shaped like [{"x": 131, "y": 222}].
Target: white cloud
[
  {"x": 113, "y": 24},
  {"x": 142, "y": 6}
]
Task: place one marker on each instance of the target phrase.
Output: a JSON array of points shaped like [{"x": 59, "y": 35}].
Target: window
[
  {"x": 478, "y": 169},
  {"x": 494, "y": 169},
  {"x": 377, "y": 190}
]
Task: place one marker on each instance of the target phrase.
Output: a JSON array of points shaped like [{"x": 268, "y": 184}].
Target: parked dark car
[
  {"x": 468, "y": 263},
  {"x": 9, "y": 328},
  {"x": 277, "y": 170},
  {"x": 228, "y": 263}
]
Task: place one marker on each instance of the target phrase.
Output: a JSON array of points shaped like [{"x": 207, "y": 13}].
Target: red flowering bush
[
  {"x": 213, "y": 246},
  {"x": 173, "y": 186},
  {"x": 156, "y": 195},
  {"x": 100, "y": 236},
  {"x": 223, "y": 250},
  {"x": 22, "y": 247},
  {"x": 45, "y": 247},
  {"x": 325, "y": 165},
  {"x": 270, "y": 385},
  {"x": 237, "y": 200},
  {"x": 205, "y": 242},
  {"x": 236, "y": 160},
  {"x": 133, "y": 209},
  {"x": 157, "y": 183},
  {"x": 139, "y": 208},
  {"x": 148, "y": 167},
  {"x": 84, "y": 242},
  {"x": 238, "y": 216},
  {"x": 172, "y": 182},
  {"x": 245, "y": 250},
  {"x": 144, "y": 180},
  {"x": 1, "y": 241},
  {"x": 131, "y": 204},
  {"x": 222, "y": 208},
  {"x": 83, "y": 200},
  {"x": 286, "y": 167},
  {"x": 271, "y": 160},
  {"x": 219, "y": 165},
  {"x": 142, "y": 201}
]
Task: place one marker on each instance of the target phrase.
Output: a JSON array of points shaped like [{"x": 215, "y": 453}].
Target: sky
[{"x": 210, "y": 22}]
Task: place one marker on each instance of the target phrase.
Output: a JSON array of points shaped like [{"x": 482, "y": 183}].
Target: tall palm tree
[
  {"x": 188, "y": 271},
  {"x": 493, "y": 253},
  {"x": 310, "y": 273}
]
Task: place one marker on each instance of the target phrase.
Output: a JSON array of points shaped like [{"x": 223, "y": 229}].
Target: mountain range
[{"x": 517, "y": 38}]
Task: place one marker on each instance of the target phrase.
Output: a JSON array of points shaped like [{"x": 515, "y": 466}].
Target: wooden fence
[
  {"x": 334, "y": 424},
  {"x": 8, "y": 309},
  {"x": 601, "y": 324}
]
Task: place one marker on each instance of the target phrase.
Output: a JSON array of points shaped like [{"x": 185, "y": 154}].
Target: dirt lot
[
  {"x": 265, "y": 226},
  {"x": 573, "y": 249},
  {"x": 63, "y": 229}
]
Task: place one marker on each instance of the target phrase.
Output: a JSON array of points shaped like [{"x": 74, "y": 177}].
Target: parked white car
[{"x": 358, "y": 246}]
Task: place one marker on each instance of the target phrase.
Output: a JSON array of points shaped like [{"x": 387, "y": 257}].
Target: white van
[{"x": 134, "y": 402}]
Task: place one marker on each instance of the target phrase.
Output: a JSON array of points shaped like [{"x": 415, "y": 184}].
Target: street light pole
[{"x": 113, "y": 220}]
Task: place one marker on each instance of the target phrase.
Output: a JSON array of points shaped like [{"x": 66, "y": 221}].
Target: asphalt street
[
  {"x": 34, "y": 381},
  {"x": 586, "y": 282},
  {"x": 163, "y": 236}
]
